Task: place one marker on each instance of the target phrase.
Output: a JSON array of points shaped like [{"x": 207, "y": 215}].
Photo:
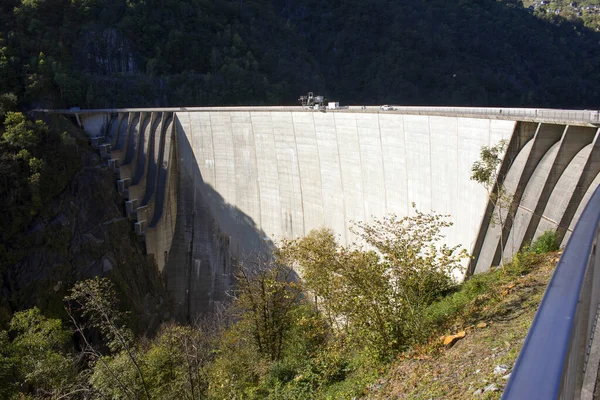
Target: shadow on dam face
[{"x": 202, "y": 259}]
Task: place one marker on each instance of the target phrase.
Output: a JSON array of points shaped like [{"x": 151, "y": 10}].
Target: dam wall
[
  {"x": 291, "y": 172},
  {"x": 208, "y": 186}
]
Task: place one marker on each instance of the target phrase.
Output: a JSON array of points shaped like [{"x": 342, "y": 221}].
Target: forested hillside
[
  {"x": 95, "y": 53},
  {"x": 356, "y": 311},
  {"x": 482, "y": 52}
]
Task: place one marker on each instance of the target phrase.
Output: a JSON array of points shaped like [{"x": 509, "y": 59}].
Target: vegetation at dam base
[{"x": 329, "y": 335}]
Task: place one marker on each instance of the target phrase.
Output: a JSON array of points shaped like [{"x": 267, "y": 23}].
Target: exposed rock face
[
  {"x": 81, "y": 234},
  {"x": 107, "y": 52}
]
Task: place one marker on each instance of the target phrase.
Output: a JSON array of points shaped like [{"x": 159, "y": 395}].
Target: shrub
[
  {"x": 521, "y": 263},
  {"x": 464, "y": 303},
  {"x": 379, "y": 297},
  {"x": 547, "y": 242},
  {"x": 267, "y": 296}
]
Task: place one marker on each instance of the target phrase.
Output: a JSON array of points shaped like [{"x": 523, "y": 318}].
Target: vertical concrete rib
[
  {"x": 141, "y": 158},
  {"x": 124, "y": 131},
  {"x": 545, "y": 137},
  {"x": 111, "y": 128},
  {"x": 118, "y": 140},
  {"x": 561, "y": 194},
  {"x": 405, "y": 148},
  {"x": 529, "y": 201},
  {"x": 198, "y": 130},
  {"x": 164, "y": 157},
  {"x": 156, "y": 179},
  {"x": 521, "y": 136},
  {"x": 127, "y": 165},
  {"x": 212, "y": 144},
  {"x": 252, "y": 147},
  {"x": 574, "y": 139},
  {"x": 590, "y": 170},
  {"x": 486, "y": 254},
  {"x": 584, "y": 200},
  {"x": 201, "y": 140},
  {"x": 160, "y": 229},
  {"x": 132, "y": 138},
  {"x": 153, "y": 150},
  {"x": 433, "y": 205},
  {"x": 296, "y": 175}
]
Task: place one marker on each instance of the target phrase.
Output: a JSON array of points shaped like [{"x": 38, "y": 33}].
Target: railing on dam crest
[
  {"x": 546, "y": 115},
  {"x": 559, "y": 358}
]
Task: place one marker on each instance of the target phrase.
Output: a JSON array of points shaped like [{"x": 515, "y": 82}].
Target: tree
[
  {"x": 486, "y": 171},
  {"x": 267, "y": 294},
  {"x": 174, "y": 364},
  {"x": 38, "y": 353},
  {"x": 8, "y": 386},
  {"x": 21, "y": 132},
  {"x": 8, "y": 102},
  {"x": 379, "y": 296},
  {"x": 178, "y": 359},
  {"x": 94, "y": 301}
]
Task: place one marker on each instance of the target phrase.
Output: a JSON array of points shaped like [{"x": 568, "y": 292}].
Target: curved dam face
[{"x": 208, "y": 186}]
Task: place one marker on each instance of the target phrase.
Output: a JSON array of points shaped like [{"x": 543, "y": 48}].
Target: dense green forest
[{"x": 94, "y": 53}]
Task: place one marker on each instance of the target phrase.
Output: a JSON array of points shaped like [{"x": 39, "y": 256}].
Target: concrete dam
[{"x": 207, "y": 186}]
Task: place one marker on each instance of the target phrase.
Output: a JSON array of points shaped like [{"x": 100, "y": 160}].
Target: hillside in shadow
[
  {"x": 482, "y": 52},
  {"x": 112, "y": 53}
]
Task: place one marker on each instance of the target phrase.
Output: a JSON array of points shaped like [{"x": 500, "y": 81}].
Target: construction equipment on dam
[{"x": 311, "y": 101}]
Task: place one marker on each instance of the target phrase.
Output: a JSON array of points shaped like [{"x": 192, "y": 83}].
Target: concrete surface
[{"x": 208, "y": 186}]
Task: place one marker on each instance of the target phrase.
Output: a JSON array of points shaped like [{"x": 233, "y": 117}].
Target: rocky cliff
[{"x": 80, "y": 234}]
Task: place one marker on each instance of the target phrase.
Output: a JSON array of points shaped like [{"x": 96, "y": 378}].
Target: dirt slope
[{"x": 478, "y": 365}]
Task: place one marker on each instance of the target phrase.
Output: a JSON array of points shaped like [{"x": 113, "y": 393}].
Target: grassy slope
[{"x": 467, "y": 368}]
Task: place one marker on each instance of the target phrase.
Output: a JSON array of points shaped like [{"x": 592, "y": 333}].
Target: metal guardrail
[
  {"x": 547, "y": 115},
  {"x": 553, "y": 361}
]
